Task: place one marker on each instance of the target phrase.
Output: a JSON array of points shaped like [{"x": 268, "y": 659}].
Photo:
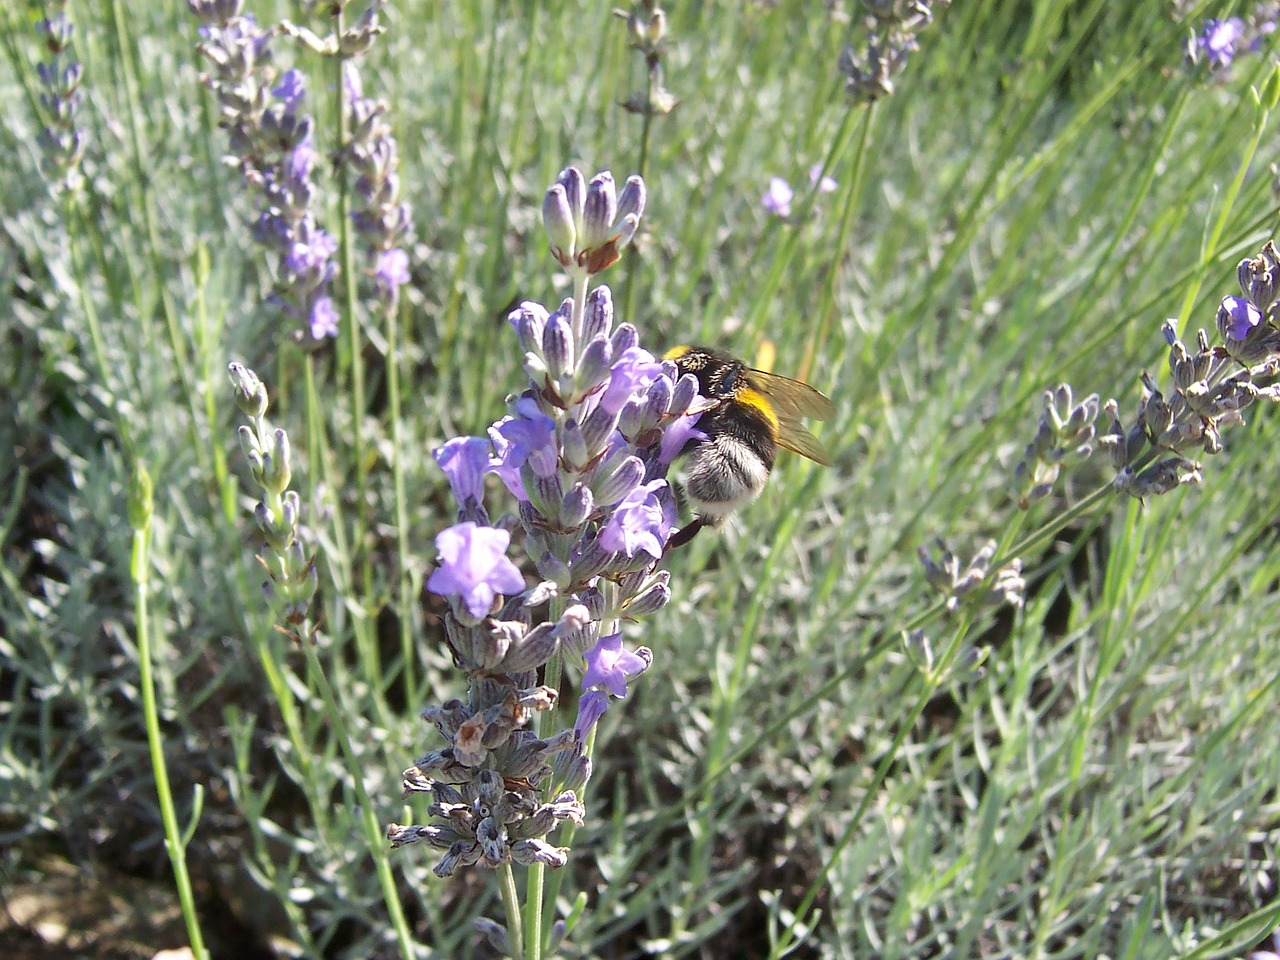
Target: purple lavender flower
[
  {"x": 583, "y": 450},
  {"x": 271, "y": 139},
  {"x": 631, "y": 373},
  {"x": 1219, "y": 41},
  {"x": 677, "y": 436},
  {"x": 322, "y": 321},
  {"x": 1237, "y": 317},
  {"x": 777, "y": 199},
  {"x": 591, "y": 707},
  {"x": 824, "y": 184},
  {"x": 641, "y": 522},
  {"x": 391, "y": 270},
  {"x": 609, "y": 664},
  {"x": 465, "y": 461},
  {"x": 474, "y": 568},
  {"x": 531, "y": 438},
  {"x": 290, "y": 90}
]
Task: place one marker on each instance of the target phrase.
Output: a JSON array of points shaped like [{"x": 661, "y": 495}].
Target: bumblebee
[{"x": 752, "y": 414}]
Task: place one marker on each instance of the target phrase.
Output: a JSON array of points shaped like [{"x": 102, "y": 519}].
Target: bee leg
[{"x": 684, "y": 534}]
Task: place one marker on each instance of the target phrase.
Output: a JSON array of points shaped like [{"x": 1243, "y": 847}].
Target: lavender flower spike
[
  {"x": 583, "y": 450},
  {"x": 61, "y": 142},
  {"x": 271, "y": 144},
  {"x": 383, "y": 223}
]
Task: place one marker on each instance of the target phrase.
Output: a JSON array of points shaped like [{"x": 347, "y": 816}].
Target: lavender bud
[
  {"x": 250, "y": 392},
  {"x": 614, "y": 485},
  {"x": 577, "y": 506},
  {"x": 575, "y": 772},
  {"x": 573, "y": 446},
  {"x": 631, "y": 200},
  {"x": 683, "y": 395},
  {"x": 597, "y": 429},
  {"x": 651, "y": 599},
  {"x": 575, "y": 189},
  {"x": 276, "y": 471},
  {"x": 552, "y": 568},
  {"x": 657, "y": 401},
  {"x": 598, "y": 317},
  {"x": 557, "y": 345},
  {"x": 545, "y": 493},
  {"x": 623, "y": 339},
  {"x": 290, "y": 508},
  {"x": 599, "y": 211},
  {"x": 529, "y": 319},
  {"x": 631, "y": 418},
  {"x": 558, "y": 220},
  {"x": 495, "y": 933},
  {"x": 626, "y": 229},
  {"x": 590, "y": 561},
  {"x": 594, "y": 365},
  {"x": 533, "y": 650}
]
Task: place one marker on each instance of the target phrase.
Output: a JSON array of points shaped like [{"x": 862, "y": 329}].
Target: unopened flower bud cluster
[
  {"x": 1065, "y": 434},
  {"x": 1210, "y": 389},
  {"x": 891, "y": 27},
  {"x": 584, "y": 450},
  {"x": 965, "y": 667},
  {"x": 975, "y": 582},
  {"x": 647, "y": 34},
  {"x": 291, "y": 575}
]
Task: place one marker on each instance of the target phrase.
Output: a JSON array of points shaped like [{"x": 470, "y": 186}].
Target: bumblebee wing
[
  {"x": 792, "y": 398},
  {"x": 794, "y": 437}
]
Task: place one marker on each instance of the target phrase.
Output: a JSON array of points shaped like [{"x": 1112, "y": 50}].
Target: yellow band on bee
[{"x": 757, "y": 401}]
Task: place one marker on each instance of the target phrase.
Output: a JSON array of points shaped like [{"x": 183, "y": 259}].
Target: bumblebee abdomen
[{"x": 730, "y": 467}]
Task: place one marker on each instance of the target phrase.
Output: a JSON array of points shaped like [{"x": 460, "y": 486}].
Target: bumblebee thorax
[{"x": 719, "y": 375}]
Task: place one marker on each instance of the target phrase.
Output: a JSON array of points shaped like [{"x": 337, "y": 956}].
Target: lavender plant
[
  {"x": 584, "y": 449},
  {"x": 1211, "y": 389},
  {"x": 271, "y": 140}
]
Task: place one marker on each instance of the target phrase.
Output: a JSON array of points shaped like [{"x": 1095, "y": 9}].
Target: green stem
[
  {"x": 405, "y": 601},
  {"x": 355, "y": 358},
  {"x": 175, "y": 842},
  {"x": 150, "y": 220},
  {"x": 1228, "y": 202},
  {"x": 367, "y": 814},
  {"x": 74, "y": 216},
  {"x": 511, "y": 903}
]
